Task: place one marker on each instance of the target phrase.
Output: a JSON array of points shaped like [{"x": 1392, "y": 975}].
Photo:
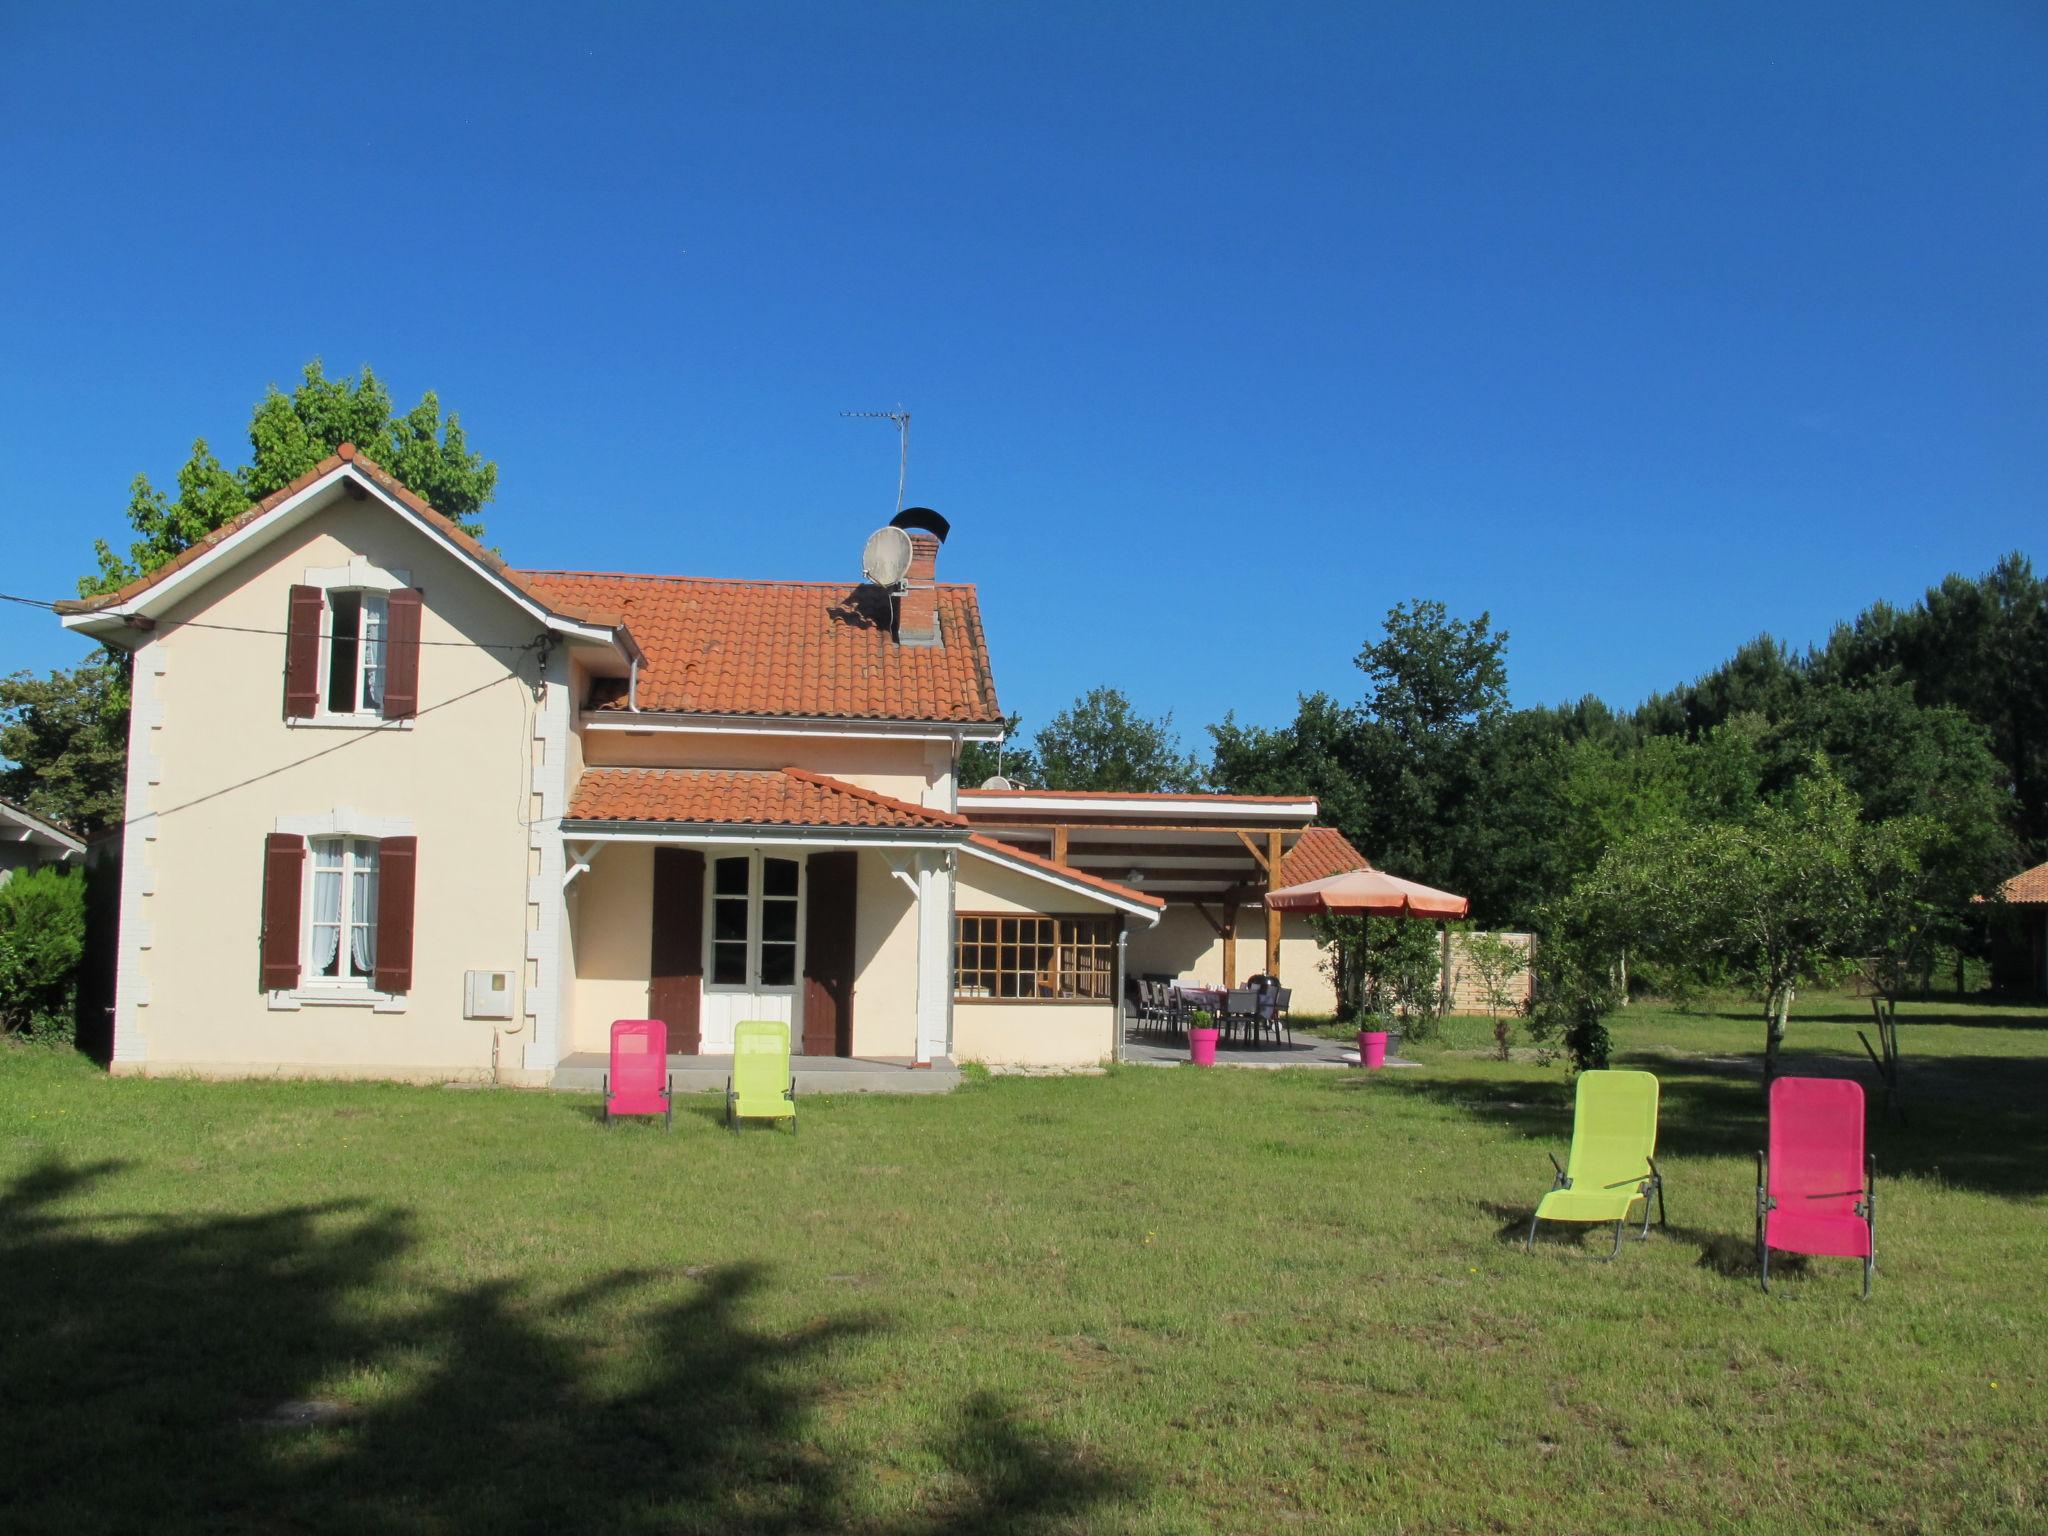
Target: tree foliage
[
  {"x": 65, "y": 741},
  {"x": 288, "y": 436},
  {"x": 1100, "y": 742},
  {"x": 42, "y": 936}
]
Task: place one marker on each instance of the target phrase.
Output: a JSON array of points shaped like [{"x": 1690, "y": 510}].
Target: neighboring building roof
[
  {"x": 819, "y": 650},
  {"x": 29, "y": 827},
  {"x": 1318, "y": 852},
  {"x": 772, "y": 797},
  {"x": 2029, "y": 887},
  {"x": 1076, "y": 807},
  {"x": 1046, "y": 869}
]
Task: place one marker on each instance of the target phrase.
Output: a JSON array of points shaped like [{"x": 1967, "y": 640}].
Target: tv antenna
[{"x": 901, "y": 418}]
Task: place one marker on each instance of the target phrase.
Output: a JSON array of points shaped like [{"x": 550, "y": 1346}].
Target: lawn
[{"x": 1157, "y": 1300}]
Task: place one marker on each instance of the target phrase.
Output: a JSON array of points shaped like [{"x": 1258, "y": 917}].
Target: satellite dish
[
  {"x": 887, "y": 557},
  {"x": 996, "y": 781}
]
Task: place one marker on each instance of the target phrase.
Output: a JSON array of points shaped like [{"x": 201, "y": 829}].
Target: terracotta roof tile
[
  {"x": 1320, "y": 851},
  {"x": 2029, "y": 886},
  {"x": 1065, "y": 872},
  {"x": 813, "y": 649},
  {"x": 774, "y": 797}
]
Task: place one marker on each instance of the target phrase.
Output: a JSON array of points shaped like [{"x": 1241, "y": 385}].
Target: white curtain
[
  {"x": 373, "y": 652},
  {"x": 363, "y": 911},
  {"x": 326, "y": 918}
]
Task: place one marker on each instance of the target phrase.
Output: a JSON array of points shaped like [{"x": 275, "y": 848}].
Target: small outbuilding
[{"x": 27, "y": 839}]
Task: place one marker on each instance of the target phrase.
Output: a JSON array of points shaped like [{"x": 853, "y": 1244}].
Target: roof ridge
[{"x": 828, "y": 583}]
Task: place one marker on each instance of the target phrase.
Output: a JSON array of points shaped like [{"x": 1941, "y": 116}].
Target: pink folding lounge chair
[
  {"x": 638, "y": 1083},
  {"x": 1817, "y": 1193}
]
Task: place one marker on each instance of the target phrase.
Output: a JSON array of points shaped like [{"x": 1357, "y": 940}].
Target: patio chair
[
  {"x": 1283, "y": 1004},
  {"x": 639, "y": 1082},
  {"x": 1613, "y": 1160},
  {"x": 761, "y": 1086},
  {"x": 1241, "y": 1012},
  {"x": 1816, "y": 1191}
]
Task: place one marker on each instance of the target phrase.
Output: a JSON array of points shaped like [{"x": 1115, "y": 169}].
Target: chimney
[{"x": 917, "y": 611}]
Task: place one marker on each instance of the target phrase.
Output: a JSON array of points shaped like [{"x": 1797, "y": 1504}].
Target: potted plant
[
  {"x": 1373, "y": 1041},
  {"x": 1202, "y": 1033}
]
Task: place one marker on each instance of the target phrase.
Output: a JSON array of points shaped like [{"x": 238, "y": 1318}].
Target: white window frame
[
  {"x": 345, "y": 915},
  {"x": 348, "y": 823},
  {"x": 368, "y": 603},
  {"x": 367, "y": 579},
  {"x": 756, "y": 896}
]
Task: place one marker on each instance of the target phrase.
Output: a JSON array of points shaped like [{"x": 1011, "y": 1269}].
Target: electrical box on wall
[{"x": 487, "y": 995}]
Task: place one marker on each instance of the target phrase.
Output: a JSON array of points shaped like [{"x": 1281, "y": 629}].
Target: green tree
[
  {"x": 42, "y": 936},
  {"x": 288, "y": 436},
  {"x": 1100, "y": 743},
  {"x": 65, "y": 741}
]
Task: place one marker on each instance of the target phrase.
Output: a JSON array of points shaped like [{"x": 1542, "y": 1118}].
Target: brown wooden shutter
[
  {"x": 402, "y": 655},
  {"x": 284, "y": 873},
  {"x": 675, "y": 965},
  {"x": 829, "y": 905},
  {"x": 397, "y": 864},
  {"x": 302, "y": 653}
]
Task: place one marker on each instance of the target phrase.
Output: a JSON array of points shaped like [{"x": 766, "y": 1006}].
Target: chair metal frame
[{"x": 1865, "y": 1208}]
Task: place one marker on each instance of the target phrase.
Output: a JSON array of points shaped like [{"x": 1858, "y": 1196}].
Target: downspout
[{"x": 633, "y": 683}]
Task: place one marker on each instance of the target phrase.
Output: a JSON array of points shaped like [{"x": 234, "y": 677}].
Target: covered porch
[{"x": 703, "y": 897}]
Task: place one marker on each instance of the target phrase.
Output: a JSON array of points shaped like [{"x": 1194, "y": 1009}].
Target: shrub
[{"x": 42, "y": 936}]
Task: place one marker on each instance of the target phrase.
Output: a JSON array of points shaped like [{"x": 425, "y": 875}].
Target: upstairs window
[{"x": 355, "y": 653}]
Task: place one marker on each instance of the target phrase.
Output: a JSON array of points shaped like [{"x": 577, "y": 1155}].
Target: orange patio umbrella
[{"x": 1367, "y": 893}]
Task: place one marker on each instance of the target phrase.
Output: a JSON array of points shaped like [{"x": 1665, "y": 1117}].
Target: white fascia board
[
  {"x": 648, "y": 723},
  {"x": 761, "y": 837},
  {"x": 280, "y": 519},
  {"x": 1077, "y": 887},
  {"x": 33, "y": 827},
  {"x": 1208, "y": 808}
]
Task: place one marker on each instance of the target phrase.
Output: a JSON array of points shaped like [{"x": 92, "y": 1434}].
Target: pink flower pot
[
  {"x": 1202, "y": 1046},
  {"x": 1372, "y": 1048}
]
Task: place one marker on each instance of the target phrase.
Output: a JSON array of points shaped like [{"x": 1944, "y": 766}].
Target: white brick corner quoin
[
  {"x": 546, "y": 901},
  {"x": 138, "y": 854}
]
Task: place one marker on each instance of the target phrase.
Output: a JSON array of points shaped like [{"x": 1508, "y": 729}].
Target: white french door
[{"x": 753, "y": 944}]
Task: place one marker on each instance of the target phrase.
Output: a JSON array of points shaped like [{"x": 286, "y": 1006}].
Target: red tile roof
[
  {"x": 1078, "y": 876},
  {"x": 813, "y": 649},
  {"x": 774, "y": 797},
  {"x": 2029, "y": 887},
  {"x": 1320, "y": 851},
  {"x": 1199, "y": 797}
]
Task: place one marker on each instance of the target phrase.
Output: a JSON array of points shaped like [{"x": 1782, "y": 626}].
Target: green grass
[{"x": 1158, "y": 1300}]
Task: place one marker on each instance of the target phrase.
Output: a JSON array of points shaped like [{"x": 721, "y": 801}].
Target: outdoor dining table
[{"x": 1211, "y": 998}]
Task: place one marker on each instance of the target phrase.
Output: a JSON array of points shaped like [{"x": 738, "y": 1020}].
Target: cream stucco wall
[
  {"x": 916, "y": 771},
  {"x": 611, "y": 933},
  {"x": 1183, "y": 944},
  {"x": 1049, "y": 1034},
  {"x": 217, "y": 766},
  {"x": 1034, "y": 1034}
]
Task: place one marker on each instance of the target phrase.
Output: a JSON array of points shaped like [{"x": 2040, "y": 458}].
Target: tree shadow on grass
[{"x": 291, "y": 1370}]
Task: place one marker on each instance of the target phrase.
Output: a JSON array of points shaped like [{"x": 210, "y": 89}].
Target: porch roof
[
  {"x": 2029, "y": 888},
  {"x": 735, "y": 797}
]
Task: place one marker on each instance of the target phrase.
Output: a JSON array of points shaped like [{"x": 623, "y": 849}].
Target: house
[
  {"x": 396, "y": 808},
  {"x": 2027, "y": 894},
  {"x": 27, "y": 839}
]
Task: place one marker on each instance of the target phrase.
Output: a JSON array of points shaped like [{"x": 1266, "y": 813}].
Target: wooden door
[
  {"x": 675, "y": 967},
  {"x": 834, "y": 883}
]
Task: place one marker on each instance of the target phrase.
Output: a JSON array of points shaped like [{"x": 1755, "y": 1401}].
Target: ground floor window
[
  {"x": 755, "y": 905},
  {"x": 341, "y": 930},
  {"x": 1034, "y": 959}
]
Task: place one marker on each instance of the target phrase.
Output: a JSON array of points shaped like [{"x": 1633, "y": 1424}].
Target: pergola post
[
  {"x": 1273, "y": 857},
  {"x": 1230, "y": 943},
  {"x": 1443, "y": 973}
]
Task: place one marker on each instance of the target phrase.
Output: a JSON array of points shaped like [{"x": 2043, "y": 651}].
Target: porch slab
[
  {"x": 1153, "y": 1050},
  {"x": 583, "y": 1072}
]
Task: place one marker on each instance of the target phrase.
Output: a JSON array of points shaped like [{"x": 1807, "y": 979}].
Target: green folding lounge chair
[
  {"x": 761, "y": 1087},
  {"x": 1613, "y": 1161}
]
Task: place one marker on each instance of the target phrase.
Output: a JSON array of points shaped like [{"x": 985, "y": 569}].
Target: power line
[{"x": 246, "y": 629}]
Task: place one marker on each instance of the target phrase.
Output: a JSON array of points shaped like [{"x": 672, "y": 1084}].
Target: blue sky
[{"x": 1224, "y": 327}]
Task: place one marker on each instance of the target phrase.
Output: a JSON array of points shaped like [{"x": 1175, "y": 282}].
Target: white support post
[
  {"x": 934, "y": 957},
  {"x": 547, "y": 986}
]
